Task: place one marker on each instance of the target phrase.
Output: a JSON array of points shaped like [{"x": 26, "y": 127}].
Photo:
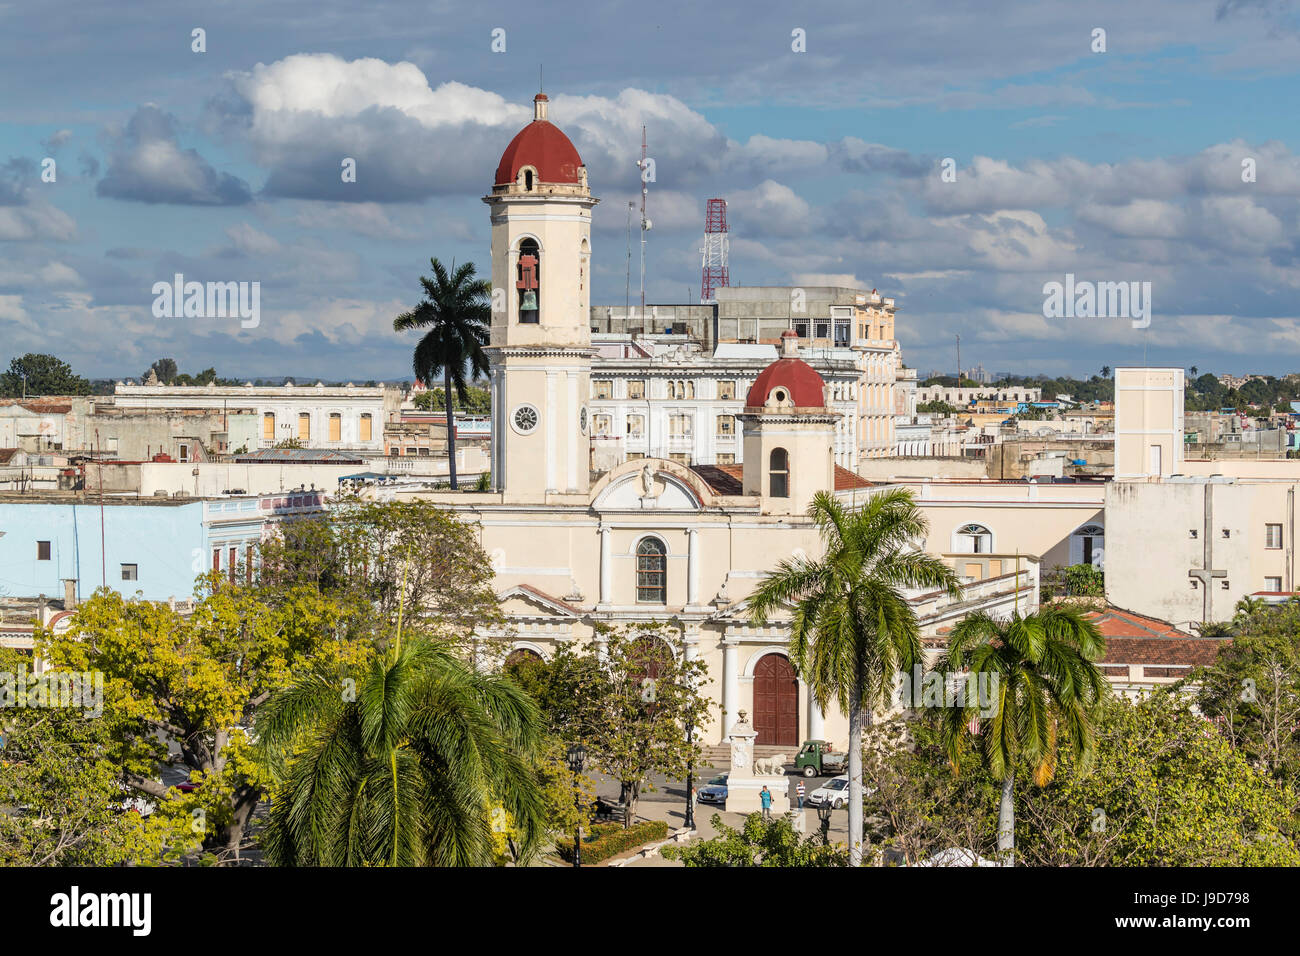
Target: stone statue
[
  {"x": 773, "y": 766},
  {"x": 647, "y": 481}
]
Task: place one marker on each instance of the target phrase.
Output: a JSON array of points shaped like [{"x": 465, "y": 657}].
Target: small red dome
[
  {"x": 543, "y": 146},
  {"x": 806, "y": 388}
]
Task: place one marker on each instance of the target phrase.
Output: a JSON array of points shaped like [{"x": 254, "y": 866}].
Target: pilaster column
[
  {"x": 730, "y": 685},
  {"x": 552, "y": 414},
  {"x": 816, "y": 718},
  {"x": 693, "y": 567},
  {"x": 577, "y": 440},
  {"x": 691, "y": 641},
  {"x": 606, "y": 570}
]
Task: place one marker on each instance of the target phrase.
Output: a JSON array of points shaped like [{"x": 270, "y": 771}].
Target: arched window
[
  {"x": 1087, "y": 545},
  {"x": 528, "y": 281},
  {"x": 522, "y": 657},
  {"x": 974, "y": 539},
  {"x": 779, "y": 472},
  {"x": 651, "y": 572},
  {"x": 528, "y": 179}
]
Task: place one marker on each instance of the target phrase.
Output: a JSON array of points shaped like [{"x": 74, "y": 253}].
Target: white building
[
  {"x": 316, "y": 416},
  {"x": 964, "y": 396},
  {"x": 663, "y": 396}
]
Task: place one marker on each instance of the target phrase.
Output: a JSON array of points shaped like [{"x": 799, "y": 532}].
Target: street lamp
[
  {"x": 824, "y": 810},
  {"x": 690, "y": 777},
  {"x": 577, "y": 761}
]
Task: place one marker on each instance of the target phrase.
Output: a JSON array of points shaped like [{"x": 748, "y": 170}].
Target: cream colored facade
[
  {"x": 1192, "y": 537},
  {"x": 566, "y": 545}
]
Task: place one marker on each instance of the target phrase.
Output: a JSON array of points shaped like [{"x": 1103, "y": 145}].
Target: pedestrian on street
[
  {"x": 765, "y": 797},
  {"x": 799, "y": 792}
]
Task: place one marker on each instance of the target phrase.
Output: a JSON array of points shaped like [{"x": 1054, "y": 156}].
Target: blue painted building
[
  {"x": 150, "y": 547},
  {"x": 154, "y": 547}
]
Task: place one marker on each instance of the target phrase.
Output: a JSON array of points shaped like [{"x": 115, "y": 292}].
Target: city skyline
[{"x": 224, "y": 165}]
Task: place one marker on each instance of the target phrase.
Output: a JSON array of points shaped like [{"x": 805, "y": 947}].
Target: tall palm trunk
[
  {"x": 856, "y": 720},
  {"x": 451, "y": 424},
  {"x": 1007, "y": 824}
]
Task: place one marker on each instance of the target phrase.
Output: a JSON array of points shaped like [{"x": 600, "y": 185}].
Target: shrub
[
  {"x": 1084, "y": 580},
  {"x": 604, "y": 840}
]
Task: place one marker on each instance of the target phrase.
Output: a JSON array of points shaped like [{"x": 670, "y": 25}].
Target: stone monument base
[{"x": 743, "y": 794}]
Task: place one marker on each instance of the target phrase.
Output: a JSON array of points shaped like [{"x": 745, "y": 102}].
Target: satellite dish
[{"x": 647, "y": 225}]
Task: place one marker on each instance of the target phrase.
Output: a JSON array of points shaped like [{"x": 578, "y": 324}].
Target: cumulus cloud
[
  {"x": 36, "y": 220},
  {"x": 147, "y": 164},
  {"x": 304, "y": 115}
]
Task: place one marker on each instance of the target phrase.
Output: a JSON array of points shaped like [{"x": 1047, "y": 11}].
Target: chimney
[
  {"x": 69, "y": 594},
  {"x": 789, "y": 344}
]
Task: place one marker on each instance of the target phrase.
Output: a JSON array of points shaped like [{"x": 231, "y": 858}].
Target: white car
[{"x": 835, "y": 792}]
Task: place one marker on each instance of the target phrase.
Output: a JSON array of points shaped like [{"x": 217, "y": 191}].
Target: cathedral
[{"x": 650, "y": 540}]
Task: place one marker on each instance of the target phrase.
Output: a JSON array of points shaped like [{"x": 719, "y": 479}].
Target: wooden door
[{"x": 776, "y": 702}]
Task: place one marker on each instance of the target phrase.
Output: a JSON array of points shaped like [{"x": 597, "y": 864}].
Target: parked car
[
  {"x": 715, "y": 791},
  {"x": 835, "y": 792},
  {"x": 817, "y": 757}
]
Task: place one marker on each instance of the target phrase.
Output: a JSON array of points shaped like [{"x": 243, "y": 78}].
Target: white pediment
[
  {"x": 522, "y": 601},
  {"x": 648, "y": 490}
]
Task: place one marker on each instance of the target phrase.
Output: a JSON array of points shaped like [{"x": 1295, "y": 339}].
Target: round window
[{"x": 525, "y": 419}]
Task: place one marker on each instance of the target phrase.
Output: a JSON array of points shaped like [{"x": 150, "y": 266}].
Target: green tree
[
  {"x": 457, "y": 312},
  {"x": 37, "y": 374},
  {"x": 628, "y": 698},
  {"x": 62, "y": 802},
  {"x": 196, "y": 681},
  {"x": 164, "y": 368},
  {"x": 417, "y": 763},
  {"x": 375, "y": 559},
  {"x": 1252, "y": 690},
  {"x": 937, "y": 408},
  {"x": 1163, "y": 790},
  {"x": 1105, "y": 371},
  {"x": 852, "y": 627},
  {"x": 757, "y": 843},
  {"x": 480, "y": 400},
  {"x": 1044, "y": 683}
]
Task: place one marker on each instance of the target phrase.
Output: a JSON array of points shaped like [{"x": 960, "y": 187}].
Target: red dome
[
  {"x": 543, "y": 146},
  {"x": 806, "y": 388}
]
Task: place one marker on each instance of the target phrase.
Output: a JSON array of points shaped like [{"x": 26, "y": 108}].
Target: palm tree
[
  {"x": 1040, "y": 671},
  {"x": 1247, "y": 608},
  {"x": 457, "y": 311},
  {"x": 1105, "y": 371},
  {"x": 413, "y": 771},
  {"x": 852, "y": 627}
]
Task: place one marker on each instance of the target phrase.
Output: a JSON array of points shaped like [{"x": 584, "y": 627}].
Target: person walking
[
  {"x": 765, "y": 798},
  {"x": 799, "y": 791}
]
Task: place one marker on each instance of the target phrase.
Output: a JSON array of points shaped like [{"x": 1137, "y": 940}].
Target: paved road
[{"x": 671, "y": 791}]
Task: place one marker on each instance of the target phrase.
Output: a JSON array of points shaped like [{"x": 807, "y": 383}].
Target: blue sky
[{"x": 1123, "y": 165}]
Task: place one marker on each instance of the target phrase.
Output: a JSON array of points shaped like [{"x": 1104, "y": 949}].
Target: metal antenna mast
[
  {"x": 627, "y": 292},
  {"x": 645, "y": 223},
  {"x": 714, "y": 254}
]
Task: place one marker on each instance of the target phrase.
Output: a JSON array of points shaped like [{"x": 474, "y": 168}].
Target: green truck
[{"x": 817, "y": 758}]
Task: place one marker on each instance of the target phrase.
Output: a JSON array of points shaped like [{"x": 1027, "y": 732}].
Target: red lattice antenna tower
[{"x": 714, "y": 253}]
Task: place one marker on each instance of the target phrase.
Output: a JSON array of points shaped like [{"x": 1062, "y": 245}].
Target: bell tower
[
  {"x": 789, "y": 434},
  {"x": 540, "y": 348}
]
